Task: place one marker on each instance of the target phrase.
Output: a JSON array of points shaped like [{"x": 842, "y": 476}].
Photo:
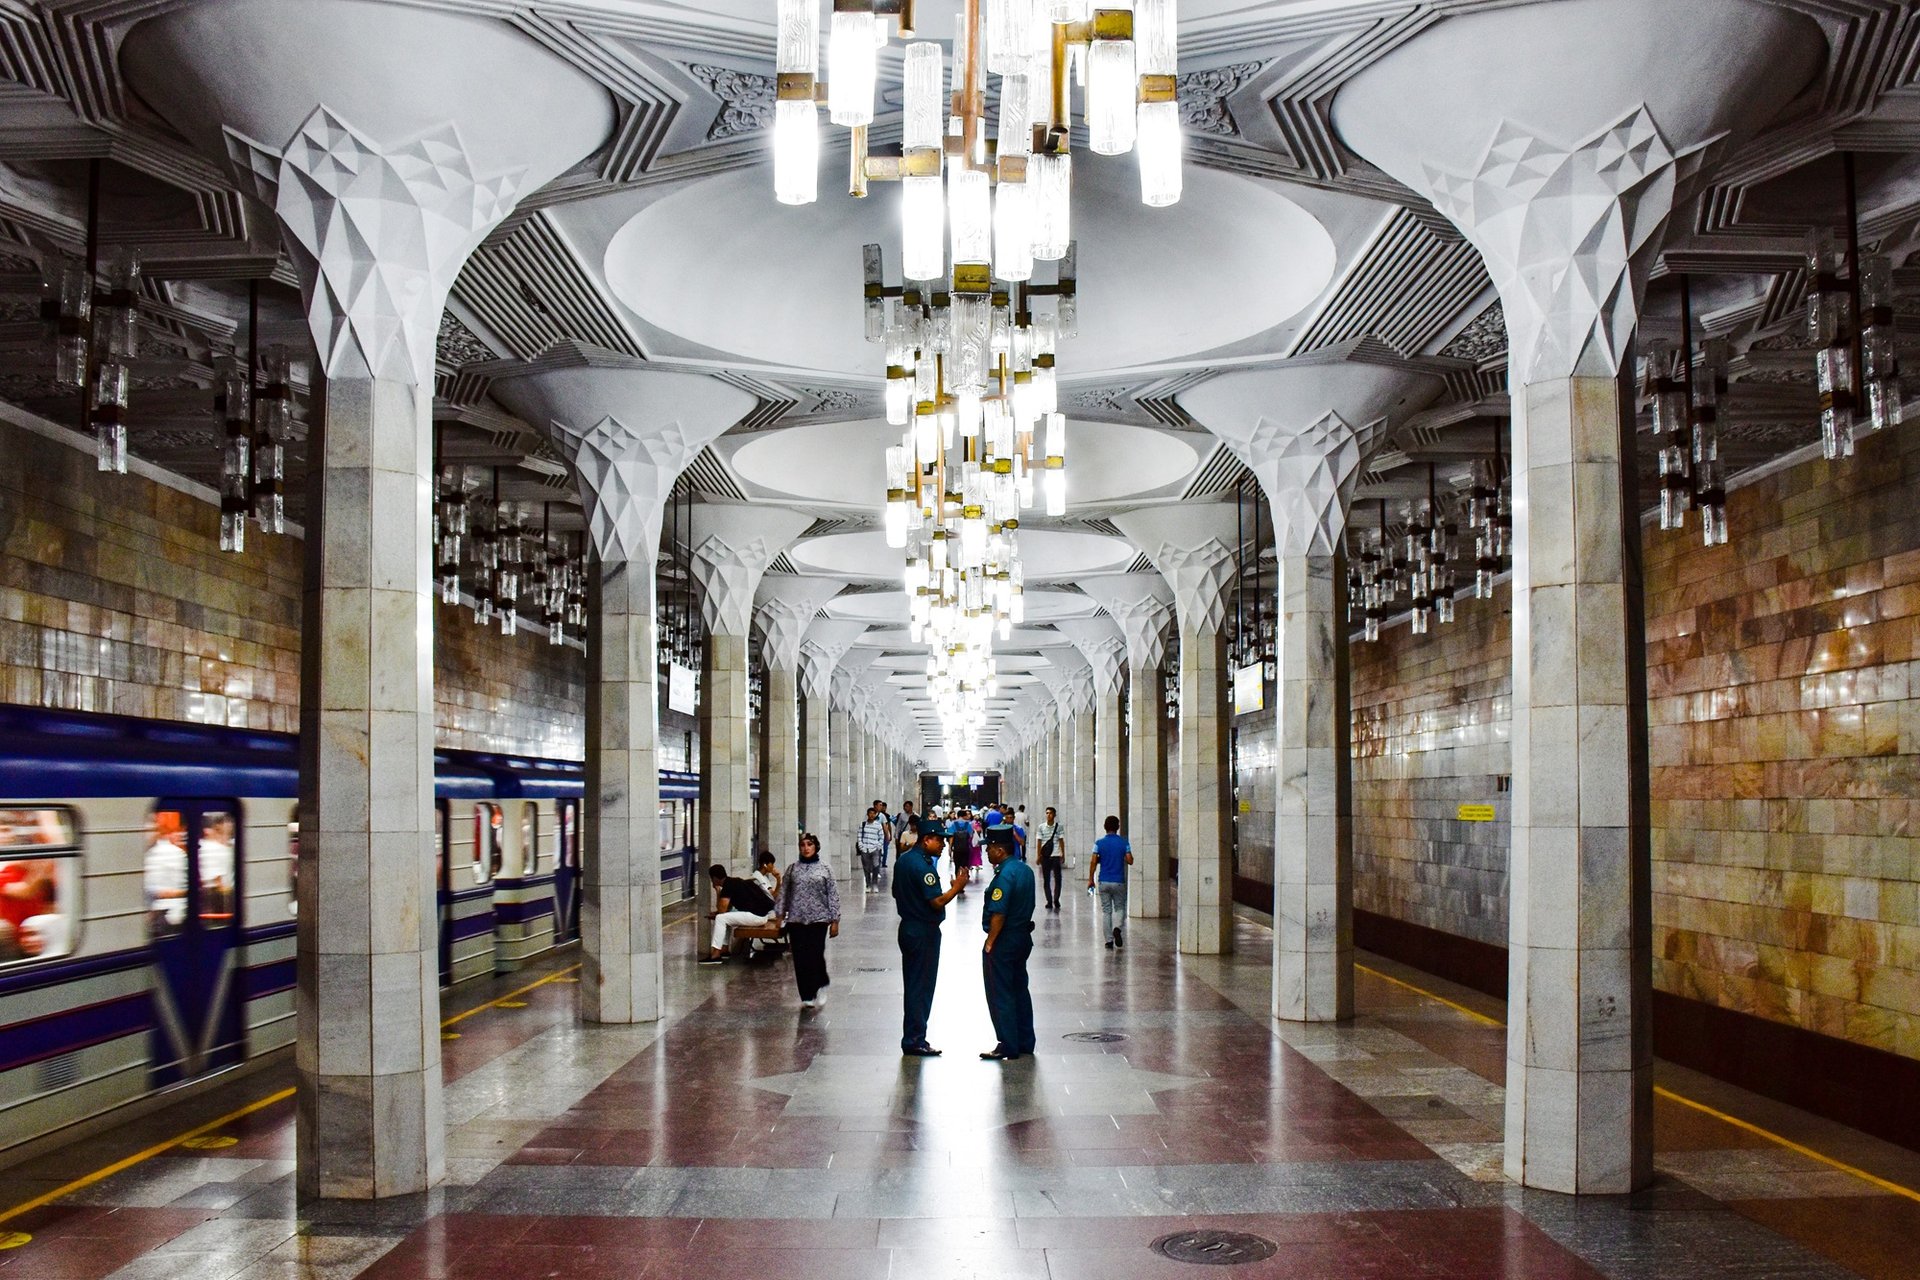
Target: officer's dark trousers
[
  {"x": 919, "y": 965},
  {"x": 809, "y": 957},
  {"x": 1009, "y": 1002}
]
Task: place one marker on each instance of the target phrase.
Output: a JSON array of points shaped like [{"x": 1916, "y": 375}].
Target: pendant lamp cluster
[
  {"x": 1850, "y": 322},
  {"x": 1686, "y": 426},
  {"x": 491, "y": 550},
  {"x": 1419, "y": 571},
  {"x": 90, "y": 313},
  {"x": 1007, "y": 195}
]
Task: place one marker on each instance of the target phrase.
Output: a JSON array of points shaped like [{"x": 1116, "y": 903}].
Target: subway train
[{"x": 148, "y": 896}]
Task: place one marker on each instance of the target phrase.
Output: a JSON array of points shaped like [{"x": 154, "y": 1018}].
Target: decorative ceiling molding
[
  {"x": 746, "y": 100},
  {"x": 1404, "y": 287},
  {"x": 1203, "y": 97},
  {"x": 529, "y": 287},
  {"x": 1483, "y": 339}
]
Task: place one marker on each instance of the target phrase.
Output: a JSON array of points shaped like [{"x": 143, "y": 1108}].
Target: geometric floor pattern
[{"x": 743, "y": 1136}]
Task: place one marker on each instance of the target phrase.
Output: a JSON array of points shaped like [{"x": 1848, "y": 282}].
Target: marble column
[
  {"x": 1142, "y": 606},
  {"x": 825, "y": 642},
  {"x": 1569, "y": 205},
  {"x": 786, "y": 607},
  {"x": 732, "y": 546},
  {"x": 1306, "y": 432},
  {"x": 846, "y": 821},
  {"x": 378, "y": 201},
  {"x": 1192, "y": 547},
  {"x": 1099, "y": 642},
  {"x": 628, "y": 433}
]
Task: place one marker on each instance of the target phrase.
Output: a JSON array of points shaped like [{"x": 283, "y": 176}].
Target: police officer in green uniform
[
  {"x": 1009, "y": 925},
  {"x": 922, "y": 906}
]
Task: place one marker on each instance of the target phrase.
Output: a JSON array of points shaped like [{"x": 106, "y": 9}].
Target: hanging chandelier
[
  {"x": 490, "y": 548},
  {"x": 1007, "y": 196},
  {"x": 1417, "y": 572},
  {"x": 93, "y": 331},
  {"x": 1850, "y": 321},
  {"x": 1686, "y": 426}
]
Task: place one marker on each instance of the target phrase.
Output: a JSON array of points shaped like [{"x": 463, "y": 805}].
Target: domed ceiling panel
[
  {"x": 723, "y": 264},
  {"x": 1048, "y": 554},
  {"x": 890, "y": 607},
  {"x": 845, "y": 462}
]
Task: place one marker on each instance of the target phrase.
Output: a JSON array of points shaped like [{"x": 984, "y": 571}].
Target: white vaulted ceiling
[{"x": 1291, "y": 268}]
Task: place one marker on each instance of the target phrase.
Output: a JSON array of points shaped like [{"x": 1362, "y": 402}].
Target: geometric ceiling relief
[
  {"x": 378, "y": 233},
  {"x": 746, "y": 100},
  {"x": 629, "y": 433},
  {"x": 1569, "y": 234},
  {"x": 1306, "y": 431},
  {"x": 1141, "y": 605},
  {"x": 785, "y": 608},
  {"x": 1203, "y": 97},
  {"x": 732, "y": 546},
  {"x": 1193, "y": 548}
]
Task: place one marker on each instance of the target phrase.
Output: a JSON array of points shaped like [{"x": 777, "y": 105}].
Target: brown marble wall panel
[
  {"x": 116, "y": 597},
  {"x": 1783, "y": 676}
]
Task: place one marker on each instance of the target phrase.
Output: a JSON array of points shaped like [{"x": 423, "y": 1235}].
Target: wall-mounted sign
[
  {"x": 1475, "y": 813},
  {"x": 682, "y": 690},
  {"x": 1249, "y": 688}
]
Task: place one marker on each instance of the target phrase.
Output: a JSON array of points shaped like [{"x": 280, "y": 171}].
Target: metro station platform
[{"x": 744, "y": 1136}]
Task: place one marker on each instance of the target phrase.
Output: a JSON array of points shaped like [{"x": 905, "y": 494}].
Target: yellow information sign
[{"x": 1475, "y": 813}]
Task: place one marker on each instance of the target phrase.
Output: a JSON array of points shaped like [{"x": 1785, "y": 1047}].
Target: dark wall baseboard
[
  {"x": 1867, "y": 1089},
  {"x": 1479, "y": 966},
  {"x": 1255, "y": 894}
]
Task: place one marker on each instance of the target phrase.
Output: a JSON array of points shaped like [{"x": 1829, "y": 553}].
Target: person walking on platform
[
  {"x": 1008, "y": 920},
  {"x": 1050, "y": 844},
  {"x": 810, "y": 910},
  {"x": 1112, "y": 855},
  {"x": 872, "y": 843},
  {"x": 922, "y": 907}
]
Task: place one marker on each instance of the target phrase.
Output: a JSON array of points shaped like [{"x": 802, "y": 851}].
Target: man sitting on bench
[{"x": 736, "y": 904}]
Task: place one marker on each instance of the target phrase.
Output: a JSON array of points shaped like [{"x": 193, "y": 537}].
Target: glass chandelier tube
[
  {"x": 274, "y": 414},
  {"x": 1051, "y": 179},
  {"x": 796, "y": 120},
  {"x": 233, "y": 416},
  {"x": 1830, "y": 329},
  {"x": 1112, "y": 97},
  {"x": 1879, "y": 359},
  {"x": 852, "y": 64}
]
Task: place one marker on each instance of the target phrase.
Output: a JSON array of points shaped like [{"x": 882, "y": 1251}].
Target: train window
[
  {"x": 487, "y": 822},
  {"x": 219, "y": 843},
  {"x": 39, "y": 883},
  {"x": 529, "y": 837},
  {"x": 569, "y": 817},
  {"x": 293, "y": 861},
  {"x": 164, "y": 877}
]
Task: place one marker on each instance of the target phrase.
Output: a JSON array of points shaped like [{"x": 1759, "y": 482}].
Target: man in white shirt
[{"x": 872, "y": 844}]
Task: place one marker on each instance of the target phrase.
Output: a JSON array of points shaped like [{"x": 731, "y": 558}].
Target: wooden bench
[{"x": 746, "y": 933}]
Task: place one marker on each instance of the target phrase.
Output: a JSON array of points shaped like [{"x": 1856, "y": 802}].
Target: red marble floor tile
[
  {"x": 1874, "y": 1235},
  {"x": 1298, "y": 1261},
  {"x": 725, "y": 1235},
  {"x": 573, "y": 1262},
  {"x": 611, "y": 1233},
  {"x": 1678, "y": 1128},
  {"x": 544, "y": 1155},
  {"x": 798, "y": 1264}
]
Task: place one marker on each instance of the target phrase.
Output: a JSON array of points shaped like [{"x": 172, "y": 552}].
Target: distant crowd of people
[{"x": 802, "y": 904}]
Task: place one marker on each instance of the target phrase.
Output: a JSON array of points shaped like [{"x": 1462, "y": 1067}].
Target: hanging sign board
[
  {"x": 1475, "y": 813},
  {"x": 1249, "y": 688},
  {"x": 681, "y": 690}
]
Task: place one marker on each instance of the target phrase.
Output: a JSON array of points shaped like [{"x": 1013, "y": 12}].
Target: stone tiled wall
[
  {"x": 1784, "y": 738},
  {"x": 1783, "y": 674},
  {"x": 1254, "y": 782},
  {"x": 1430, "y": 722},
  {"x": 115, "y": 597}
]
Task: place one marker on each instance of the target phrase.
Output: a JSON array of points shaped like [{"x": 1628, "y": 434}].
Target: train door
[
  {"x": 193, "y": 891},
  {"x": 566, "y": 873},
  {"x": 443, "y": 890}
]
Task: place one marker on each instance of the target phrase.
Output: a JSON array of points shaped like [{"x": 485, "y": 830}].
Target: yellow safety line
[
  {"x": 138, "y": 1157},
  {"x": 1475, "y": 1014},
  {"x": 1745, "y": 1126},
  {"x": 518, "y": 991},
  {"x": 1893, "y": 1188}
]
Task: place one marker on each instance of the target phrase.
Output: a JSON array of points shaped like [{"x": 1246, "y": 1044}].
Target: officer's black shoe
[
  {"x": 999, "y": 1053},
  {"x": 921, "y": 1051},
  {"x": 1118, "y": 939},
  {"x": 1109, "y": 945}
]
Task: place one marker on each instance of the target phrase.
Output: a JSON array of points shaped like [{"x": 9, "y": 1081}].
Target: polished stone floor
[{"x": 744, "y": 1136}]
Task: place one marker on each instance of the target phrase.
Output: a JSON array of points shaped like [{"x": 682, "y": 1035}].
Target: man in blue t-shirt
[{"x": 1112, "y": 855}]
